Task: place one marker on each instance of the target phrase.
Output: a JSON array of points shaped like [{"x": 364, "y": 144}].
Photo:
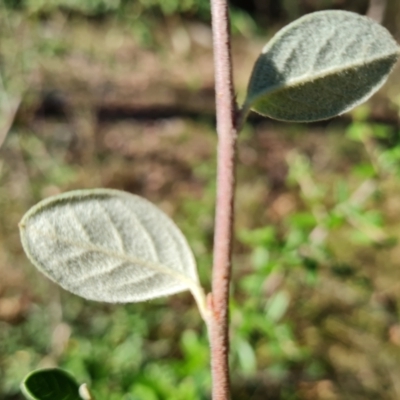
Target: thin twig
[
  {"x": 376, "y": 10},
  {"x": 226, "y": 128}
]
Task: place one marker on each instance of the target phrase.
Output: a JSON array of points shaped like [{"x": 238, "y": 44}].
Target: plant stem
[{"x": 218, "y": 324}]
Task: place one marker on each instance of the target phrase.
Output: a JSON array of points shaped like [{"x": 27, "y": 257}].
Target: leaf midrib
[
  {"x": 286, "y": 85},
  {"x": 145, "y": 263}
]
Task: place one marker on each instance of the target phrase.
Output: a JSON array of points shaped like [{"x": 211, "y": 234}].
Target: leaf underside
[
  {"x": 108, "y": 245},
  {"x": 320, "y": 66},
  {"x": 50, "y": 384}
]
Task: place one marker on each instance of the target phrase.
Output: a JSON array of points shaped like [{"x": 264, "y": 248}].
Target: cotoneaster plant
[{"x": 112, "y": 246}]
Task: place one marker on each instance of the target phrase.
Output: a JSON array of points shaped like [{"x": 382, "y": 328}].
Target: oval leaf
[
  {"x": 108, "y": 245},
  {"x": 320, "y": 66},
  {"x": 50, "y": 384}
]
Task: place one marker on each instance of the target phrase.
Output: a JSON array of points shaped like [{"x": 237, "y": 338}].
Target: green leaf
[
  {"x": 50, "y": 384},
  {"x": 108, "y": 245},
  {"x": 246, "y": 355},
  {"x": 320, "y": 66},
  {"x": 277, "y": 306}
]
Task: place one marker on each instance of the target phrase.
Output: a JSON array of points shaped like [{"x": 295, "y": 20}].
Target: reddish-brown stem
[{"x": 226, "y": 128}]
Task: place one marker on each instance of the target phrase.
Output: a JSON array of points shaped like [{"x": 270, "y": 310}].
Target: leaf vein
[
  {"x": 79, "y": 222},
  {"x": 156, "y": 266},
  {"x": 100, "y": 274},
  {"x": 115, "y": 231},
  {"x": 146, "y": 234}
]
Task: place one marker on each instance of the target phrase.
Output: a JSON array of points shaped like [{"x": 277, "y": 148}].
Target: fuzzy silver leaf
[
  {"x": 320, "y": 66},
  {"x": 108, "y": 245}
]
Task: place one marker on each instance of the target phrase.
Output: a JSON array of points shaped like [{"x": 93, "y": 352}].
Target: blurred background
[{"x": 119, "y": 94}]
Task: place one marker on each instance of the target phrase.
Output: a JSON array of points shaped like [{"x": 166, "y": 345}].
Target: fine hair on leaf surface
[
  {"x": 320, "y": 66},
  {"x": 108, "y": 245}
]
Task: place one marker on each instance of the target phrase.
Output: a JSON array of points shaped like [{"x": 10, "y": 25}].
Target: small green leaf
[
  {"x": 277, "y": 306},
  {"x": 50, "y": 384},
  {"x": 320, "y": 66}
]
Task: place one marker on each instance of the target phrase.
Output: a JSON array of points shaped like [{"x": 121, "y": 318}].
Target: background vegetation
[{"x": 119, "y": 93}]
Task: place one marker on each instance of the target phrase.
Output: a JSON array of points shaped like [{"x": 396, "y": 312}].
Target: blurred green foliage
[
  {"x": 337, "y": 218},
  {"x": 95, "y": 7},
  {"x": 100, "y": 7}
]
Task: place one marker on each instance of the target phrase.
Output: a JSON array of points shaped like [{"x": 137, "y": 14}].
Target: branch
[{"x": 218, "y": 323}]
